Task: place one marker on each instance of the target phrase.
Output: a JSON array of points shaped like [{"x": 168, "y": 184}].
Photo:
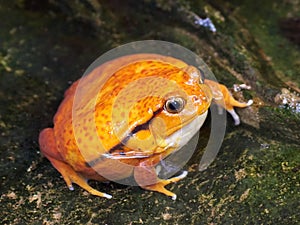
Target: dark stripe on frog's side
[{"x": 122, "y": 144}]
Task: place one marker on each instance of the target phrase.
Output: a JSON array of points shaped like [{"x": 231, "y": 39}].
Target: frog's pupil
[{"x": 174, "y": 106}]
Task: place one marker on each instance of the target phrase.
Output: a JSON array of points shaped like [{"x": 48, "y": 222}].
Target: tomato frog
[{"x": 149, "y": 107}]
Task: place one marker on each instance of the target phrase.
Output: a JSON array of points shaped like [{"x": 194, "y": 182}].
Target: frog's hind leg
[
  {"x": 147, "y": 178},
  {"x": 49, "y": 150},
  {"x": 70, "y": 176},
  {"x": 234, "y": 103}
]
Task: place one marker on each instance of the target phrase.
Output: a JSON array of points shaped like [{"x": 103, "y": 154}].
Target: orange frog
[{"x": 126, "y": 116}]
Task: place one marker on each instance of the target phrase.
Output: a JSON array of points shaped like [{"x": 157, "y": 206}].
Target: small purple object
[{"x": 205, "y": 23}]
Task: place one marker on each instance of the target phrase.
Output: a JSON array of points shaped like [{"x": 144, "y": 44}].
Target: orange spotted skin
[{"x": 119, "y": 110}]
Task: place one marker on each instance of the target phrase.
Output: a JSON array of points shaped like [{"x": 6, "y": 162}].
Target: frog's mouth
[{"x": 169, "y": 144}]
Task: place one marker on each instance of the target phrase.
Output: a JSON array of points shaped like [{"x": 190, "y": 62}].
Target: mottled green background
[{"x": 46, "y": 45}]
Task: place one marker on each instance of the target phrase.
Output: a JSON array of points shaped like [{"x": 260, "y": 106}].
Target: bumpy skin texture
[{"x": 118, "y": 114}]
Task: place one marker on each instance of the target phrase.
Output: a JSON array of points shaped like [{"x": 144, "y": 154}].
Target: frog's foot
[
  {"x": 49, "y": 150},
  {"x": 239, "y": 87},
  {"x": 232, "y": 112},
  {"x": 230, "y": 103},
  {"x": 70, "y": 176},
  {"x": 160, "y": 185},
  {"x": 235, "y": 116}
]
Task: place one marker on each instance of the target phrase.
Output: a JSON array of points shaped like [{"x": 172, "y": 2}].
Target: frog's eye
[{"x": 174, "y": 104}]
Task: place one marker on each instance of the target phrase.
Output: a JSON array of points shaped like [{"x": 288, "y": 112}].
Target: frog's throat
[{"x": 182, "y": 136}]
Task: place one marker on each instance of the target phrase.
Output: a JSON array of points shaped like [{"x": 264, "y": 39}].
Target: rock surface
[{"x": 255, "y": 178}]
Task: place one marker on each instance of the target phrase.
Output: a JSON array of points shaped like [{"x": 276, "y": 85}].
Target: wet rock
[{"x": 255, "y": 177}]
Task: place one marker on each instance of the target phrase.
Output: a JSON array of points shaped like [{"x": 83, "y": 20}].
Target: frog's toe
[
  {"x": 160, "y": 185},
  {"x": 174, "y": 197},
  {"x": 107, "y": 196},
  {"x": 82, "y": 182},
  {"x": 98, "y": 193},
  {"x": 174, "y": 179},
  {"x": 71, "y": 176},
  {"x": 181, "y": 176},
  {"x": 71, "y": 188},
  {"x": 235, "y": 116},
  {"x": 239, "y": 87},
  {"x": 250, "y": 102}
]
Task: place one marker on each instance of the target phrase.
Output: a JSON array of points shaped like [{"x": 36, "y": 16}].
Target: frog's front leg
[
  {"x": 234, "y": 103},
  {"x": 49, "y": 150},
  {"x": 226, "y": 100},
  {"x": 147, "y": 178}
]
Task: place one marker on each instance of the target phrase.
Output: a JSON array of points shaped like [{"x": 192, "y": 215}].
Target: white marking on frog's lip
[
  {"x": 181, "y": 137},
  {"x": 134, "y": 156}
]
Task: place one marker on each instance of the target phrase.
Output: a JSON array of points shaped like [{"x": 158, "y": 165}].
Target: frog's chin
[{"x": 181, "y": 137}]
